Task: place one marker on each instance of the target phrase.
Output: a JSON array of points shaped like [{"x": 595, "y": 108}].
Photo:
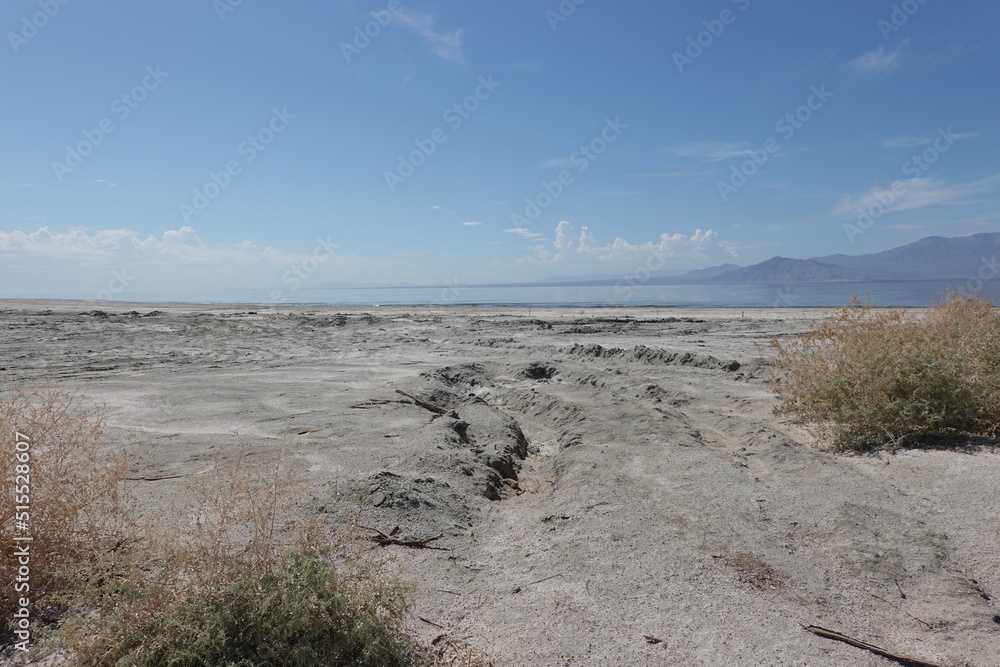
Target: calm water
[{"x": 804, "y": 295}]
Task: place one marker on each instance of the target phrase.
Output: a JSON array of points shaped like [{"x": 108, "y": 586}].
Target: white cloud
[
  {"x": 915, "y": 193},
  {"x": 77, "y": 260},
  {"x": 447, "y": 45},
  {"x": 953, "y": 52},
  {"x": 523, "y": 233},
  {"x": 878, "y": 61},
  {"x": 572, "y": 246},
  {"x": 711, "y": 151},
  {"x": 472, "y": 224}
]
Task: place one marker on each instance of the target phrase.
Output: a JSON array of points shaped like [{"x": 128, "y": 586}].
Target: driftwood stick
[
  {"x": 385, "y": 540},
  {"x": 901, "y": 659},
  {"x": 424, "y": 404},
  {"x": 157, "y": 479}
]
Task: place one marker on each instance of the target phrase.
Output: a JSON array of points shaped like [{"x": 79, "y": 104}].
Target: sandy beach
[{"x": 613, "y": 485}]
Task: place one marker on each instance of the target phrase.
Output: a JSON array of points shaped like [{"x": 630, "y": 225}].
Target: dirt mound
[{"x": 649, "y": 355}]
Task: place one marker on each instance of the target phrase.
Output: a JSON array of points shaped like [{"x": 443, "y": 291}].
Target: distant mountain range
[{"x": 930, "y": 258}]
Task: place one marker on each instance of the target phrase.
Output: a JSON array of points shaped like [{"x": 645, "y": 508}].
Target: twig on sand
[
  {"x": 424, "y": 404},
  {"x": 650, "y": 639},
  {"x": 901, "y": 659},
  {"x": 369, "y": 404},
  {"x": 385, "y": 540},
  {"x": 157, "y": 479},
  {"x": 436, "y": 625},
  {"x": 545, "y": 579}
]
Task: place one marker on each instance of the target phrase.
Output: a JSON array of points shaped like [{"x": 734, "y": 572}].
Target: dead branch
[
  {"x": 371, "y": 403},
  {"x": 901, "y": 659},
  {"x": 424, "y": 404},
  {"x": 157, "y": 479},
  {"x": 385, "y": 540}
]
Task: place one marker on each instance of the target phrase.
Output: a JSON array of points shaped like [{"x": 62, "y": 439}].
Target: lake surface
[{"x": 801, "y": 295}]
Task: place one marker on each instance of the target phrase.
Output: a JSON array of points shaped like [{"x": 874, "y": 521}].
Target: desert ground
[{"x": 612, "y": 485}]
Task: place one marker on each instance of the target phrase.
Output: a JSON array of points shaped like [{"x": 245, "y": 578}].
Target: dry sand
[{"x": 601, "y": 475}]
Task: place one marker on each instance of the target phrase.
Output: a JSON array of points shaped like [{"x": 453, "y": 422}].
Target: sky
[{"x": 163, "y": 146}]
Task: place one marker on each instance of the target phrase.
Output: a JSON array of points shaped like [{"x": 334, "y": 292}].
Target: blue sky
[{"x": 159, "y": 146}]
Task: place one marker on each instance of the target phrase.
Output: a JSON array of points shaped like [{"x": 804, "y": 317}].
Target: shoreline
[{"x": 715, "y": 312}]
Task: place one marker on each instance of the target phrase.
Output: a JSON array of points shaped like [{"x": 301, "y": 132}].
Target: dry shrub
[
  {"x": 877, "y": 377},
  {"x": 223, "y": 580},
  {"x": 219, "y": 579},
  {"x": 79, "y": 516}
]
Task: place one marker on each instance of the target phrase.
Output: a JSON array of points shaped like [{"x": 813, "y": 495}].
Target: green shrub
[
  {"x": 301, "y": 612},
  {"x": 887, "y": 377}
]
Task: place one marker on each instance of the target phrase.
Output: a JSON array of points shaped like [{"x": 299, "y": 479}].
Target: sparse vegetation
[
  {"x": 217, "y": 580},
  {"x": 877, "y": 377},
  {"x": 79, "y": 514}
]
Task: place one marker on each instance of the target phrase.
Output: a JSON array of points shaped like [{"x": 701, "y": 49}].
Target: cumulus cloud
[{"x": 571, "y": 245}]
